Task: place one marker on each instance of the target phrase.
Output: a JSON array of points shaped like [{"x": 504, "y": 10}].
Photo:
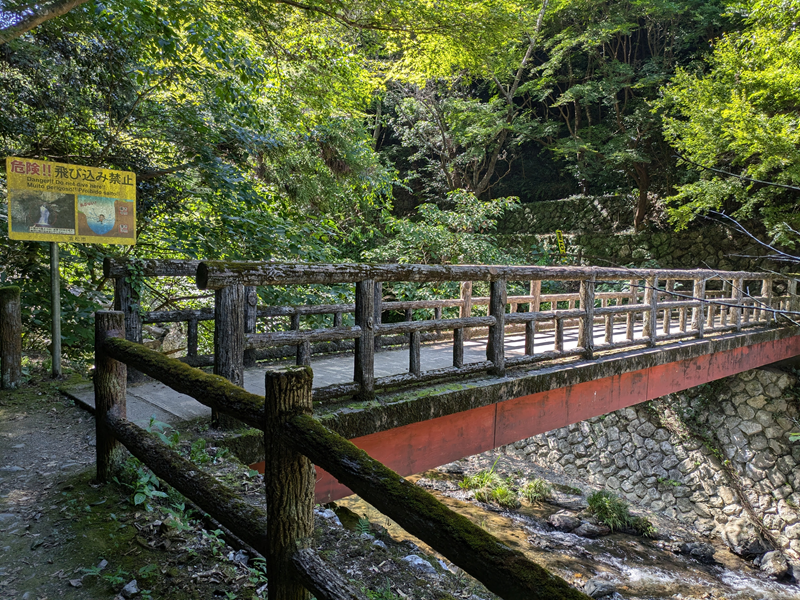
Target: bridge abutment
[{"x": 717, "y": 456}]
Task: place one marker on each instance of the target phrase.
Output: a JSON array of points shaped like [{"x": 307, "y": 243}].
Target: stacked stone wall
[
  {"x": 718, "y": 457},
  {"x": 573, "y": 214}
]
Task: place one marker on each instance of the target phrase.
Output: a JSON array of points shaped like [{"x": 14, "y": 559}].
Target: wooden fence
[
  {"x": 653, "y": 305},
  {"x": 293, "y": 440}
]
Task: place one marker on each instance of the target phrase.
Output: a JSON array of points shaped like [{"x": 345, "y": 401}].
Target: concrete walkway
[{"x": 153, "y": 399}]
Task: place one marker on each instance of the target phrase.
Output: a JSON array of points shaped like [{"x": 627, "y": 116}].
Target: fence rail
[
  {"x": 648, "y": 306},
  {"x": 293, "y": 439}
]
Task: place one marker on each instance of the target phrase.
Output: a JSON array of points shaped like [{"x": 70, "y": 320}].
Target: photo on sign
[
  {"x": 34, "y": 211},
  {"x": 98, "y": 215}
]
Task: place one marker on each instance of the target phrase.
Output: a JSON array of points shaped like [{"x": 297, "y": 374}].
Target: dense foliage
[{"x": 392, "y": 130}]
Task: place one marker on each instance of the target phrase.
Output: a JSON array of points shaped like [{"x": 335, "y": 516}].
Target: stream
[{"x": 639, "y": 568}]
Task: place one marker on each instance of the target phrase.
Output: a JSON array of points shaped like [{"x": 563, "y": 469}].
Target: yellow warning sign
[
  {"x": 56, "y": 202},
  {"x": 562, "y": 249}
]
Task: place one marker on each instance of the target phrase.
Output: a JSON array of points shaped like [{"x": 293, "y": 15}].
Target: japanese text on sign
[{"x": 58, "y": 202}]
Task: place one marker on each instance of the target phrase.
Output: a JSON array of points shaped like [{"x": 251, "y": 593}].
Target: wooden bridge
[
  {"x": 590, "y": 341},
  {"x": 578, "y": 342}
]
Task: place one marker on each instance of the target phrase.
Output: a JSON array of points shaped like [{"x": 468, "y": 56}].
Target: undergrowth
[{"x": 613, "y": 512}]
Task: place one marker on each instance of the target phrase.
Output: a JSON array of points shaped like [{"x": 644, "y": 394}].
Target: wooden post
[
  {"x": 126, "y": 300},
  {"x": 55, "y": 307},
  {"x": 495, "y": 344},
  {"x": 536, "y": 292},
  {"x": 10, "y": 337},
  {"x": 458, "y": 347},
  {"x": 630, "y": 317},
  {"x": 250, "y": 315},
  {"x": 364, "y": 371},
  {"x": 414, "y": 366},
  {"x": 409, "y": 316},
  {"x": 794, "y": 301},
  {"x": 378, "y": 308},
  {"x": 766, "y": 294},
  {"x": 288, "y": 479},
  {"x": 228, "y": 341},
  {"x": 558, "y": 339},
  {"x": 738, "y": 296},
  {"x": 303, "y": 357},
  {"x": 650, "y": 326},
  {"x": 191, "y": 345},
  {"x": 465, "y": 310},
  {"x": 530, "y": 329},
  {"x": 586, "y": 332},
  {"x": 109, "y": 392},
  {"x": 698, "y": 314},
  {"x": 667, "y": 320}
]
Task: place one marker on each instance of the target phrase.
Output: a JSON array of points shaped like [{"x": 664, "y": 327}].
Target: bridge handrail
[
  {"x": 292, "y": 437},
  {"x": 649, "y": 298}
]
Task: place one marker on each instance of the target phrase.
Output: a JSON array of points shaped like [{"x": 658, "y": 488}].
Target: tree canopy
[{"x": 311, "y": 130}]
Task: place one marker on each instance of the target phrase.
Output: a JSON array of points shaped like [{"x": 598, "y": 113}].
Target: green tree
[
  {"x": 603, "y": 66},
  {"x": 739, "y": 116}
]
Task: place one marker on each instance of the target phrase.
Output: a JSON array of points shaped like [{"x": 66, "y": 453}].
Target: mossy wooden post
[
  {"x": 109, "y": 391},
  {"x": 586, "y": 332},
  {"x": 228, "y": 340},
  {"x": 250, "y": 314},
  {"x": 738, "y": 296},
  {"x": 536, "y": 292},
  {"x": 126, "y": 300},
  {"x": 465, "y": 310},
  {"x": 766, "y": 295},
  {"x": 364, "y": 370},
  {"x": 10, "y": 337},
  {"x": 495, "y": 345},
  {"x": 289, "y": 480}
]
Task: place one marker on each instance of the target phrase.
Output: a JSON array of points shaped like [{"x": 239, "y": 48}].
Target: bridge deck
[{"x": 154, "y": 399}]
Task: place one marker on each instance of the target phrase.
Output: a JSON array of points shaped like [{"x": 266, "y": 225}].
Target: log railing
[
  {"x": 636, "y": 307},
  {"x": 653, "y": 305},
  {"x": 293, "y": 440}
]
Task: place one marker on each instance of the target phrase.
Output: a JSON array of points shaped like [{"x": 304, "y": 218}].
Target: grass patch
[
  {"x": 482, "y": 479},
  {"x": 536, "y": 490},
  {"x": 613, "y": 512}
]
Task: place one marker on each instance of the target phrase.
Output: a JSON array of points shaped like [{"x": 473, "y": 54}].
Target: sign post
[
  {"x": 55, "y": 309},
  {"x": 56, "y": 202}
]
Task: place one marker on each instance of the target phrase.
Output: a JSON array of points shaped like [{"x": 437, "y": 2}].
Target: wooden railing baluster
[
  {"x": 465, "y": 310},
  {"x": 495, "y": 345},
  {"x": 414, "y": 366},
  {"x": 458, "y": 347},
  {"x": 698, "y": 314},
  {"x": 558, "y": 340},
  {"x": 586, "y": 332},
  {"x": 364, "y": 370},
  {"x": 191, "y": 338},
  {"x": 650, "y": 326},
  {"x": 250, "y": 316}
]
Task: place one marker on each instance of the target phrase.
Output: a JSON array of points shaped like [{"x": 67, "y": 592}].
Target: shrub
[
  {"x": 536, "y": 490},
  {"x": 613, "y": 512}
]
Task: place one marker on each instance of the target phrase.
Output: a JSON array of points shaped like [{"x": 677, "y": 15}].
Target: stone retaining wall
[
  {"x": 717, "y": 457},
  {"x": 713, "y": 247},
  {"x": 573, "y": 214}
]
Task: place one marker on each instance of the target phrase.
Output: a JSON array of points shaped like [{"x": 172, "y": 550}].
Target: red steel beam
[{"x": 421, "y": 446}]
